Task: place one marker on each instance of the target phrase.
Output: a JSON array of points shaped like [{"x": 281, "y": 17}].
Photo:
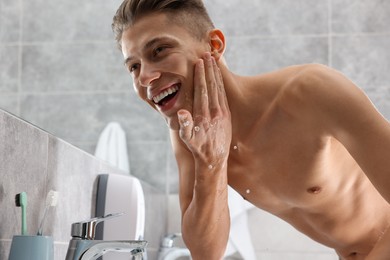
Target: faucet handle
[
  {"x": 86, "y": 229},
  {"x": 167, "y": 241}
]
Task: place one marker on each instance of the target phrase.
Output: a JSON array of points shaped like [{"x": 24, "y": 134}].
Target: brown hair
[{"x": 191, "y": 14}]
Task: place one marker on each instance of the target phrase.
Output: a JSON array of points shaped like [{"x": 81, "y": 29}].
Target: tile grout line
[
  {"x": 55, "y": 93},
  {"x": 330, "y": 34},
  {"x": 276, "y": 36},
  {"x": 20, "y": 58}
]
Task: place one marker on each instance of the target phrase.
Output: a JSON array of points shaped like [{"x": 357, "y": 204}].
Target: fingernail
[
  {"x": 200, "y": 63},
  {"x": 182, "y": 116},
  {"x": 183, "y": 119},
  {"x": 208, "y": 56}
]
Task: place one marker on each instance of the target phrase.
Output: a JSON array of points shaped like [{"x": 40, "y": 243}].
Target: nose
[{"x": 148, "y": 73}]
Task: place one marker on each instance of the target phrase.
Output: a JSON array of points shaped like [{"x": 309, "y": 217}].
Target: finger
[
  {"x": 212, "y": 88},
  {"x": 200, "y": 106},
  {"x": 186, "y": 125},
  {"x": 222, "y": 99}
]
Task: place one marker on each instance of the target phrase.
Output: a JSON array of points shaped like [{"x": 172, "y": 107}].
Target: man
[{"x": 303, "y": 143}]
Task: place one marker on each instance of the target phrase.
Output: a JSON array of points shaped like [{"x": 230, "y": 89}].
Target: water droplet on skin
[
  {"x": 210, "y": 167},
  {"x": 196, "y": 128},
  {"x": 235, "y": 147},
  {"x": 248, "y": 191}
]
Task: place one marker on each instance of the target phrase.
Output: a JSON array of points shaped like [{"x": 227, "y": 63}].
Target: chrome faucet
[{"x": 83, "y": 245}]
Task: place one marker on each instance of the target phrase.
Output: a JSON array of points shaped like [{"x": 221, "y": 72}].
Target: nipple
[{"x": 314, "y": 190}]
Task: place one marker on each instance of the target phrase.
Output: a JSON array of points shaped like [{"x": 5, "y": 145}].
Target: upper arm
[
  {"x": 185, "y": 163},
  {"x": 342, "y": 110}
]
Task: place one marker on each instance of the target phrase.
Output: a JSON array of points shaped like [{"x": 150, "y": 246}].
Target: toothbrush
[
  {"x": 51, "y": 201},
  {"x": 21, "y": 201}
]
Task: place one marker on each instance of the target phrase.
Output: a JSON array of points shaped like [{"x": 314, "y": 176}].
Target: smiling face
[{"x": 160, "y": 56}]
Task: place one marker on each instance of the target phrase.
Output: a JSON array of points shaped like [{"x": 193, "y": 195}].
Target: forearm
[{"x": 206, "y": 221}]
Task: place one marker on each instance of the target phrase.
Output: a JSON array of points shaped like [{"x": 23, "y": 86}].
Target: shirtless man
[{"x": 303, "y": 143}]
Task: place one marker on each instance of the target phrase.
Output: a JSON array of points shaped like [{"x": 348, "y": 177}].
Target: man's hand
[{"x": 207, "y": 132}]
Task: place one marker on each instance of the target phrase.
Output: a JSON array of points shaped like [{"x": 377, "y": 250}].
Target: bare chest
[
  {"x": 281, "y": 176},
  {"x": 283, "y": 162},
  {"x": 315, "y": 185}
]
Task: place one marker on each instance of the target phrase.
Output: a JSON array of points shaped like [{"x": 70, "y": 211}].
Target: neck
[{"x": 236, "y": 88}]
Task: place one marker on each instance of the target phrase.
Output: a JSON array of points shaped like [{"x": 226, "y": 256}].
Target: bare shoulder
[
  {"x": 322, "y": 92},
  {"x": 314, "y": 81},
  {"x": 326, "y": 100}
]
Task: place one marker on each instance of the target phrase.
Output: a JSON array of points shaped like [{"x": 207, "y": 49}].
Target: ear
[{"x": 217, "y": 43}]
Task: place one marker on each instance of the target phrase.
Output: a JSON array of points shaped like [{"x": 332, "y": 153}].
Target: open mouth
[{"x": 164, "y": 97}]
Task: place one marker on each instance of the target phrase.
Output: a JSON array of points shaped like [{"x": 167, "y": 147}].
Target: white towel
[
  {"x": 112, "y": 146},
  {"x": 239, "y": 238}
]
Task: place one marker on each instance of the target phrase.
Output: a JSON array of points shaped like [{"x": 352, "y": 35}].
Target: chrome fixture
[
  {"x": 83, "y": 245},
  {"x": 169, "y": 252}
]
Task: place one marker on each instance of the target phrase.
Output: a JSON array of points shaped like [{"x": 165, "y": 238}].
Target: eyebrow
[{"x": 148, "y": 45}]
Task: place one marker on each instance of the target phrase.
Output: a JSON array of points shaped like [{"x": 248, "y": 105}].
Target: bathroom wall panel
[
  {"x": 148, "y": 161},
  {"x": 72, "y": 173},
  {"x": 146, "y": 132},
  {"x": 351, "y": 16},
  {"x": 363, "y": 58},
  {"x": 269, "y": 17},
  {"x": 88, "y": 147},
  {"x": 9, "y": 102},
  {"x": 380, "y": 96},
  {"x": 9, "y": 71},
  {"x": 90, "y": 20},
  {"x": 10, "y": 14},
  {"x": 52, "y": 67},
  {"x": 23, "y": 163},
  {"x": 5, "y": 246},
  {"x": 86, "y": 115},
  {"x": 253, "y": 55}
]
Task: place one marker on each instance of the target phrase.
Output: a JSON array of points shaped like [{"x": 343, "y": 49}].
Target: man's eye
[
  {"x": 158, "y": 50},
  {"x": 133, "y": 67}
]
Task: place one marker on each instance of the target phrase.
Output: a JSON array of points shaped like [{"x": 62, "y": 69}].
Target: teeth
[{"x": 165, "y": 93}]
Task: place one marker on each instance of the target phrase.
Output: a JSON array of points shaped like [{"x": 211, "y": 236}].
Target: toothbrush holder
[{"x": 32, "y": 248}]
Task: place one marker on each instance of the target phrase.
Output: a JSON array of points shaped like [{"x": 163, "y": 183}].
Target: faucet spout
[
  {"x": 83, "y": 245},
  {"x": 101, "y": 247},
  {"x": 93, "y": 249}
]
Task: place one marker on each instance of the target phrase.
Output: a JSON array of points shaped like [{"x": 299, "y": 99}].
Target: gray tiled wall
[
  {"x": 35, "y": 162},
  {"x": 60, "y": 69}
]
